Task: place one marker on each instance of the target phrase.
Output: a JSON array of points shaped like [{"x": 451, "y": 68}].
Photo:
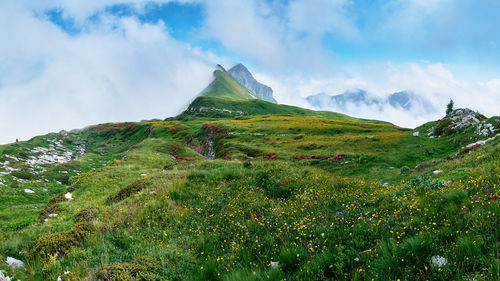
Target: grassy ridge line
[{"x": 245, "y": 108}]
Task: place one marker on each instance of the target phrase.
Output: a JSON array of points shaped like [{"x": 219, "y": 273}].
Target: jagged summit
[{"x": 241, "y": 74}]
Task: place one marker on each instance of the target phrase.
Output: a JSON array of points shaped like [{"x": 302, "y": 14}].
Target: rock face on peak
[{"x": 241, "y": 74}]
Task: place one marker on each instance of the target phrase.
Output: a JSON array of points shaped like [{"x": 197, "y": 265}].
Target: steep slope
[
  {"x": 224, "y": 86},
  {"x": 224, "y": 97},
  {"x": 241, "y": 74}
]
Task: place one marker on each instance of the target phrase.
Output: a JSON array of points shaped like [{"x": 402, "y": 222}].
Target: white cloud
[
  {"x": 330, "y": 16},
  {"x": 286, "y": 39},
  {"x": 433, "y": 82},
  {"x": 118, "y": 69}
]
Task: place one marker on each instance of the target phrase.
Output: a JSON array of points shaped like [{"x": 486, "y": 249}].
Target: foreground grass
[{"x": 154, "y": 216}]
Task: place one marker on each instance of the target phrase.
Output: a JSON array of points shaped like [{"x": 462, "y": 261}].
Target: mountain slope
[
  {"x": 224, "y": 97},
  {"x": 224, "y": 86},
  {"x": 241, "y": 74}
]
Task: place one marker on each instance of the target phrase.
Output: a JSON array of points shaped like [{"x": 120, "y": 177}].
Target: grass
[
  {"x": 158, "y": 210},
  {"x": 224, "y": 86}
]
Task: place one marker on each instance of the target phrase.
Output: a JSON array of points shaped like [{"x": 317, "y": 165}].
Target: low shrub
[
  {"x": 404, "y": 170},
  {"x": 127, "y": 191},
  {"x": 143, "y": 268},
  {"x": 87, "y": 215},
  {"x": 58, "y": 244},
  {"x": 23, "y": 174},
  {"x": 423, "y": 183}
]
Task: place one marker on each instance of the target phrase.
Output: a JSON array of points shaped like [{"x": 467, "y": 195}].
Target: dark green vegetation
[{"x": 290, "y": 195}]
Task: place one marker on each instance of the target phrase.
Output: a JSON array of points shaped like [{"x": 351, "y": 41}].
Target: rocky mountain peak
[{"x": 241, "y": 74}]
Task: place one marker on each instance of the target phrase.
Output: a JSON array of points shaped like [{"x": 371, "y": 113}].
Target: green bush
[
  {"x": 143, "y": 269},
  {"x": 423, "y": 183},
  {"x": 247, "y": 165},
  {"x": 58, "y": 244},
  {"x": 23, "y": 174},
  {"x": 87, "y": 215},
  {"x": 272, "y": 187},
  {"x": 404, "y": 170},
  {"x": 291, "y": 258},
  {"x": 443, "y": 128},
  {"x": 127, "y": 191}
]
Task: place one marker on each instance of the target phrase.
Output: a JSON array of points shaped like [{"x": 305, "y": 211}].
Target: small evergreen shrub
[
  {"x": 272, "y": 187},
  {"x": 423, "y": 183},
  {"x": 404, "y": 170},
  {"x": 247, "y": 165},
  {"x": 23, "y": 174},
  {"x": 87, "y": 215},
  {"x": 127, "y": 191},
  {"x": 142, "y": 269},
  {"x": 58, "y": 244}
]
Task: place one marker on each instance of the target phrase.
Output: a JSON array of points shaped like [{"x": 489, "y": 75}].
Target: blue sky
[{"x": 114, "y": 60}]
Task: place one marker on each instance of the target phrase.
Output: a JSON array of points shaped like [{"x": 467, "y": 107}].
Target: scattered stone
[
  {"x": 274, "y": 264},
  {"x": 438, "y": 261},
  {"x": 27, "y": 190},
  {"x": 14, "y": 263},
  {"x": 485, "y": 129},
  {"x": 416, "y": 134},
  {"x": 68, "y": 196},
  {"x": 143, "y": 175},
  {"x": 437, "y": 172},
  {"x": 3, "y": 277},
  {"x": 52, "y": 215},
  {"x": 481, "y": 142}
]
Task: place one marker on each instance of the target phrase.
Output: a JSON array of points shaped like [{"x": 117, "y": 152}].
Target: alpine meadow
[{"x": 241, "y": 183}]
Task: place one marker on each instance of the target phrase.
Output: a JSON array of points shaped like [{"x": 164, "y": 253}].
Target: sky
[{"x": 67, "y": 64}]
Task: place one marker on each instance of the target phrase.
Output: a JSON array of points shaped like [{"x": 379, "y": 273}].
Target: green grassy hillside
[
  {"x": 298, "y": 197},
  {"x": 224, "y": 86},
  {"x": 237, "y": 188}
]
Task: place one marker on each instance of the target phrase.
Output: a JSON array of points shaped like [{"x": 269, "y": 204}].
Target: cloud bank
[{"x": 117, "y": 69}]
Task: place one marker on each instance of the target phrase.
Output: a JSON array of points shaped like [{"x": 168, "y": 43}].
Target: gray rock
[
  {"x": 14, "y": 263},
  {"x": 241, "y": 74}
]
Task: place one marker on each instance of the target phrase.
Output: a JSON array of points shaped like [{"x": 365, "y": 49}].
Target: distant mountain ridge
[
  {"x": 241, "y": 74},
  {"x": 404, "y": 99}
]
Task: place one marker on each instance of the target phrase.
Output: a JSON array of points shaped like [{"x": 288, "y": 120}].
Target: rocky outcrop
[{"x": 241, "y": 74}]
